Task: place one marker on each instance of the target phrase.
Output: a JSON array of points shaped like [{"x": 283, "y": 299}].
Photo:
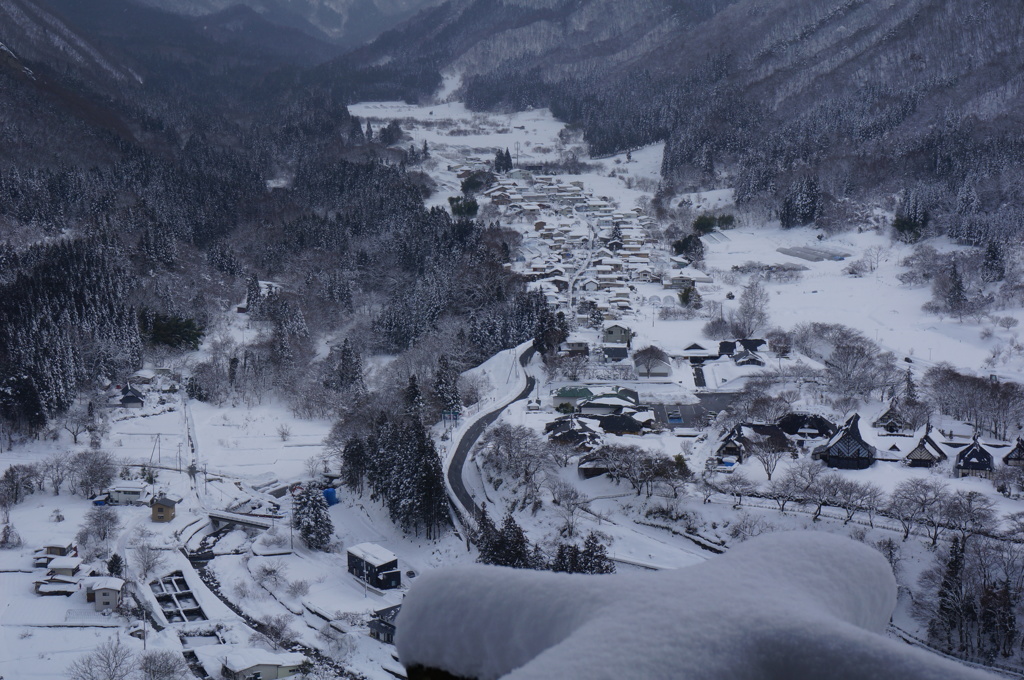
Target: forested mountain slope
[
  {"x": 803, "y": 101},
  {"x": 347, "y": 22},
  {"x": 155, "y": 167}
]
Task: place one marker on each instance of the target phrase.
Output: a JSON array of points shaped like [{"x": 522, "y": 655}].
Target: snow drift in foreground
[{"x": 789, "y": 605}]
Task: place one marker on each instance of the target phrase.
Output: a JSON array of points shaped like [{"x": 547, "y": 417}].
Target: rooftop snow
[{"x": 372, "y": 553}]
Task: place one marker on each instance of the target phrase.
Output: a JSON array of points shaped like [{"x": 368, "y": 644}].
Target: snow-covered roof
[
  {"x": 107, "y": 583},
  {"x": 239, "y": 658},
  {"x": 372, "y": 554},
  {"x": 244, "y": 659},
  {"x": 129, "y": 485},
  {"x": 65, "y": 562}
]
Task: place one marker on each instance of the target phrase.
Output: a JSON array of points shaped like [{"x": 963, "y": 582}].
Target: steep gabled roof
[
  {"x": 1016, "y": 453},
  {"x": 928, "y": 449},
  {"x": 974, "y": 457},
  {"x": 847, "y": 442}
]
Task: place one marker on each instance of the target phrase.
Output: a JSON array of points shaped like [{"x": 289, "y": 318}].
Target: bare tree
[
  {"x": 639, "y": 467},
  {"x": 56, "y": 468},
  {"x": 317, "y": 464},
  {"x": 806, "y": 473},
  {"x": 101, "y": 522},
  {"x": 915, "y": 501},
  {"x": 574, "y": 367},
  {"x": 271, "y": 572},
  {"x": 275, "y": 630},
  {"x": 148, "y": 560},
  {"x": 752, "y": 314},
  {"x": 872, "y": 500},
  {"x": 519, "y": 451},
  {"x": 110, "y": 661},
  {"x": 562, "y": 453},
  {"x": 824, "y": 491},
  {"x": 786, "y": 489},
  {"x": 767, "y": 453},
  {"x": 93, "y": 471},
  {"x": 747, "y": 526},
  {"x": 76, "y": 421},
  {"x": 969, "y": 513},
  {"x": 162, "y": 664},
  {"x": 738, "y": 485},
  {"x": 649, "y": 357},
  {"x": 707, "y": 489},
  {"x": 932, "y": 498},
  {"x": 570, "y": 502}
]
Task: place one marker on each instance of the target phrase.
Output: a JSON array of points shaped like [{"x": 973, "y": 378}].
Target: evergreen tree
[
  {"x": 499, "y": 161},
  {"x": 369, "y": 132},
  {"x": 115, "y": 565},
  {"x": 487, "y": 538},
  {"x": 253, "y": 294},
  {"x": 950, "y": 610},
  {"x": 615, "y": 240},
  {"x": 594, "y": 557},
  {"x": 350, "y": 368},
  {"x": 994, "y": 267},
  {"x": 515, "y": 550},
  {"x": 567, "y": 559},
  {"x": 508, "y": 161},
  {"x": 354, "y": 463},
  {"x": 433, "y": 494},
  {"x": 956, "y": 294},
  {"x": 413, "y": 399},
  {"x": 446, "y": 387},
  {"x": 312, "y": 519}
]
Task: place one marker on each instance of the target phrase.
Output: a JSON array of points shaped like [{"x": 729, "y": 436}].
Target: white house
[
  {"x": 104, "y": 592},
  {"x": 130, "y": 492}
]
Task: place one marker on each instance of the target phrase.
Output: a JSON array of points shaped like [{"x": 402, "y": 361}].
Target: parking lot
[{"x": 692, "y": 415}]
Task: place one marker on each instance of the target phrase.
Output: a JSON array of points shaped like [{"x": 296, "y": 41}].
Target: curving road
[{"x": 462, "y": 495}]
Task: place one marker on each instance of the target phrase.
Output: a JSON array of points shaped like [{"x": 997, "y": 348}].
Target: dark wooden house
[
  {"x": 892, "y": 420},
  {"x": 806, "y": 427},
  {"x": 847, "y": 450},
  {"x": 928, "y": 451},
  {"x": 974, "y": 461},
  {"x": 747, "y": 358},
  {"x": 374, "y": 565},
  {"x": 131, "y": 398},
  {"x": 741, "y": 440},
  {"x": 382, "y": 625},
  {"x": 572, "y": 431},
  {"x": 1015, "y": 458},
  {"x": 621, "y": 424},
  {"x": 591, "y": 465}
]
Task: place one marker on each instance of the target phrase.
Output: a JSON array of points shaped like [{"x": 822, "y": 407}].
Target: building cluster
[
  {"x": 66, "y": 574},
  {"x": 855, "y": 445},
  {"x": 578, "y": 246}
]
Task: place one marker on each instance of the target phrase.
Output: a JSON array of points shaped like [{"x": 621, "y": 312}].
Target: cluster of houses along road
[{"x": 580, "y": 247}]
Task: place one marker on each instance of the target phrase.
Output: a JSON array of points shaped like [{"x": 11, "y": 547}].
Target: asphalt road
[{"x": 473, "y": 433}]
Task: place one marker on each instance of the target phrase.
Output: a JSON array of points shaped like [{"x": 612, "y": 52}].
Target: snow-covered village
[{"x": 486, "y": 340}]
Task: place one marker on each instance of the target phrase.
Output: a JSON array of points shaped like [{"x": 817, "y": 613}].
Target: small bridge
[{"x": 220, "y": 519}]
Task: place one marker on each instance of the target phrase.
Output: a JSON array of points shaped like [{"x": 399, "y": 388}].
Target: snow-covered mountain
[
  {"x": 345, "y": 21},
  {"x": 36, "y": 34}
]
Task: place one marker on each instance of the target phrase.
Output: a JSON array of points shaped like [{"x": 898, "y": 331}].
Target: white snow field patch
[{"x": 790, "y": 605}]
